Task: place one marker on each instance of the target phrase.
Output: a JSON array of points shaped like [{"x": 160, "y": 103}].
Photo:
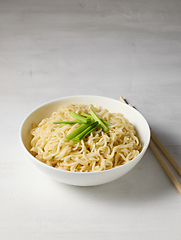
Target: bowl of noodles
[{"x": 85, "y": 140}]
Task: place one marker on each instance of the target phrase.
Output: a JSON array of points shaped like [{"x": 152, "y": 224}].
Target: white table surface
[{"x": 50, "y": 49}]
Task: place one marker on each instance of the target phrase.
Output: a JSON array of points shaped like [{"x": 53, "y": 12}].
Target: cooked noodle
[{"x": 97, "y": 151}]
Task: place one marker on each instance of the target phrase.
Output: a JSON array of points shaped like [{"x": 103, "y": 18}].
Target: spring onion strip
[
  {"x": 78, "y": 130},
  {"x": 89, "y": 116},
  {"x": 86, "y": 115},
  {"x": 78, "y": 117},
  {"x": 96, "y": 118},
  {"x": 85, "y": 132},
  {"x": 68, "y": 122}
]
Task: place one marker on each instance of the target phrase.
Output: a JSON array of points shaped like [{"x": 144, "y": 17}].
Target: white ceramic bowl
[{"x": 91, "y": 178}]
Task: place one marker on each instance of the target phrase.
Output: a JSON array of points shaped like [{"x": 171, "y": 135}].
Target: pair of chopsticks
[{"x": 155, "y": 141}]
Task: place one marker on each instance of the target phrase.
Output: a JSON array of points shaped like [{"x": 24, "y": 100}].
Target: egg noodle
[{"x": 97, "y": 151}]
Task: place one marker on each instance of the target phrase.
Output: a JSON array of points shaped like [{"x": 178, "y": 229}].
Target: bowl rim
[{"x": 82, "y": 173}]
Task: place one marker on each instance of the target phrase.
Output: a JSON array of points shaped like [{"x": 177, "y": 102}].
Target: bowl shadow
[{"x": 142, "y": 183}]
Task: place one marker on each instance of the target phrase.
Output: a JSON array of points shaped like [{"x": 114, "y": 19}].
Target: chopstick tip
[{"x": 122, "y": 99}]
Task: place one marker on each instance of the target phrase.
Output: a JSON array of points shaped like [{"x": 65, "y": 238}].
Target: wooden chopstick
[
  {"x": 166, "y": 153},
  {"x": 165, "y": 166},
  {"x": 162, "y": 148},
  {"x": 160, "y": 158}
]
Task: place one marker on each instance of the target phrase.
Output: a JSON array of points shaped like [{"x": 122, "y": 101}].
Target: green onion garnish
[
  {"x": 88, "y": 122},
  {"x": 78, "y": 130},
  {"x": 89, "y": 116},
  {"x": 96, "y": 118},
  {"x": 85, "y": 132},
  {"x": 68, "y": 122},
  {"x": 86, "y": 115},
  {"x": 78, "y": 117}
]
